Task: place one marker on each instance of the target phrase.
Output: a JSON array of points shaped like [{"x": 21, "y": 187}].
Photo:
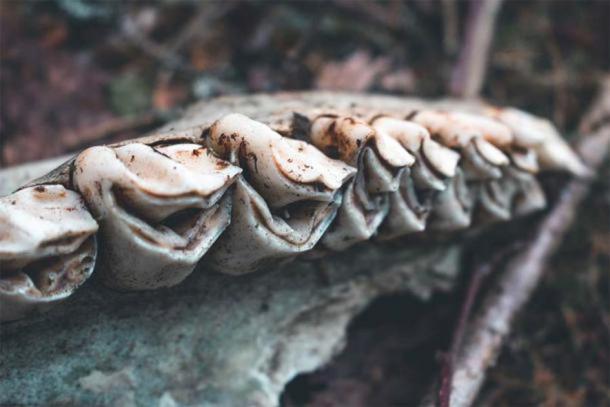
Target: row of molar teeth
[{"x": 250, "y": 196}]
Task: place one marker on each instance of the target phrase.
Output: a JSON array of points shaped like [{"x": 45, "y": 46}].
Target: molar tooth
[
  {"x": 531, "y": 131},
  {"x": 285, "y": 201},
  {"x": 442, "y": 158},
  {"x": 525, "y": 159},
  {"x": 409, "y": 134},
  {"x": 456, "y": 129},
  {"x": 50, "y": 223},
  {"x": 160, "y": 209},
  {"x": 555, "y": 153},
  {"x": 303, "y": 169},
  {"x": 527, "y": 129},
  {"x": 477, "y": 136},
  {"x": 407, "y": 214},
  {"x": 381, "y": 159},
  {"x": 491, "y": 153},
  {"x": 452, "y": 208},
  {"x": 517, "y": 193}
]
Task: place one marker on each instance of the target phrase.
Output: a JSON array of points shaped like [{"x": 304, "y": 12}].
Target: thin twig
[
  {"x": 469, "y": 74},
  {"x": 486, "y": 333},
  {"x": 509, "y": 295},
  {"x": 474, "y": 286},
  {"x": 450, "y": 26}
]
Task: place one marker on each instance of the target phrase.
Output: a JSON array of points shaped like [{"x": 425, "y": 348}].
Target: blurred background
[{"x": 75, "y": 73}]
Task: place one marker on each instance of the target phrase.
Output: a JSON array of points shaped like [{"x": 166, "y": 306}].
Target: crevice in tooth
[
  {"x": 160, "y": 209},
  {"x": 452, "y": 208},
  {"x": 517, "y": 193},
  {"x": 408, "y": 211},
  {"x": 285, "y": 200},
  {"x": 381, "y": 160},
  {"x": 47, "y": 248}
]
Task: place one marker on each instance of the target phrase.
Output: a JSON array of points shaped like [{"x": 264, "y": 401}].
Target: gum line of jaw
[{"x": 247, "y": 197}]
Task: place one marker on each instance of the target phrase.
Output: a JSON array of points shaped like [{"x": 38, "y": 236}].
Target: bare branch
[
  {"x": 469, "y": 74},
  {"x": 510, "y": 294}
]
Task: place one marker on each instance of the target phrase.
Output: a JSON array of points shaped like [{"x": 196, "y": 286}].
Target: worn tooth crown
[
  {"x": 531, "y": 131},
  {"x": 281, "y": 169},
  {"x": 285, "y": 201},
  {"x": 160, "y": 209},
  {"x": 293, "y": 173},
  {"x": 47, "y": 248}
]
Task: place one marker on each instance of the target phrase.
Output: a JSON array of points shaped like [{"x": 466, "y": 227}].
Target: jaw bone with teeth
[
  {"x": 160, "y": 209},
  {"x": 163, "y": 200},
  {"x": 47, "y": 248}
]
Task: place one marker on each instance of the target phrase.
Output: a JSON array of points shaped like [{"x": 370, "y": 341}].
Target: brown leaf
[{"x": 356, "y": 73}]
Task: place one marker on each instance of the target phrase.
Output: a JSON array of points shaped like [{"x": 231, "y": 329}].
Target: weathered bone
[
  {"x": 47, "y": 248},
  {"x": 163, "y": 200}
]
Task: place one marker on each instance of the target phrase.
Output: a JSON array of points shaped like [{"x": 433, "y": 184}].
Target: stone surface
[{"x": 213, "y": 340}]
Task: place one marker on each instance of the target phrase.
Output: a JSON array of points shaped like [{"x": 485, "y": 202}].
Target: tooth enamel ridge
[{"x": 238, "y": 184}]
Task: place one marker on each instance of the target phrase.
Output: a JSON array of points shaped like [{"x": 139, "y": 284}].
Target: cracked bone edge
[
  {"x": 284, "y": 202},
  {"x": 159, "y": 208},
  {"x": 47, "y": 248}
]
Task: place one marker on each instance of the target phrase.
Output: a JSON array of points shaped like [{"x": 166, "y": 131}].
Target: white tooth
[
  {"x": 491, "y": 153},
  {"x": 282, "y": 170},
  {"x": 555, "y": 153},
  {"x": 491, "y": 130},
  {"x": 44, "y": 222},
  {"x": 409, "y": 134},
  {"x": 444, "y": 159},
  {"x": 393, "y": 152},
  {"x": 133, "y": 189},
  {"x": 290, "y": 176},
  {"x": 528, "y": 130},
  {"x": 526, "y": 160},
  {"x": 531, "y": 131},
  {"x": 457, "y": 128}
]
